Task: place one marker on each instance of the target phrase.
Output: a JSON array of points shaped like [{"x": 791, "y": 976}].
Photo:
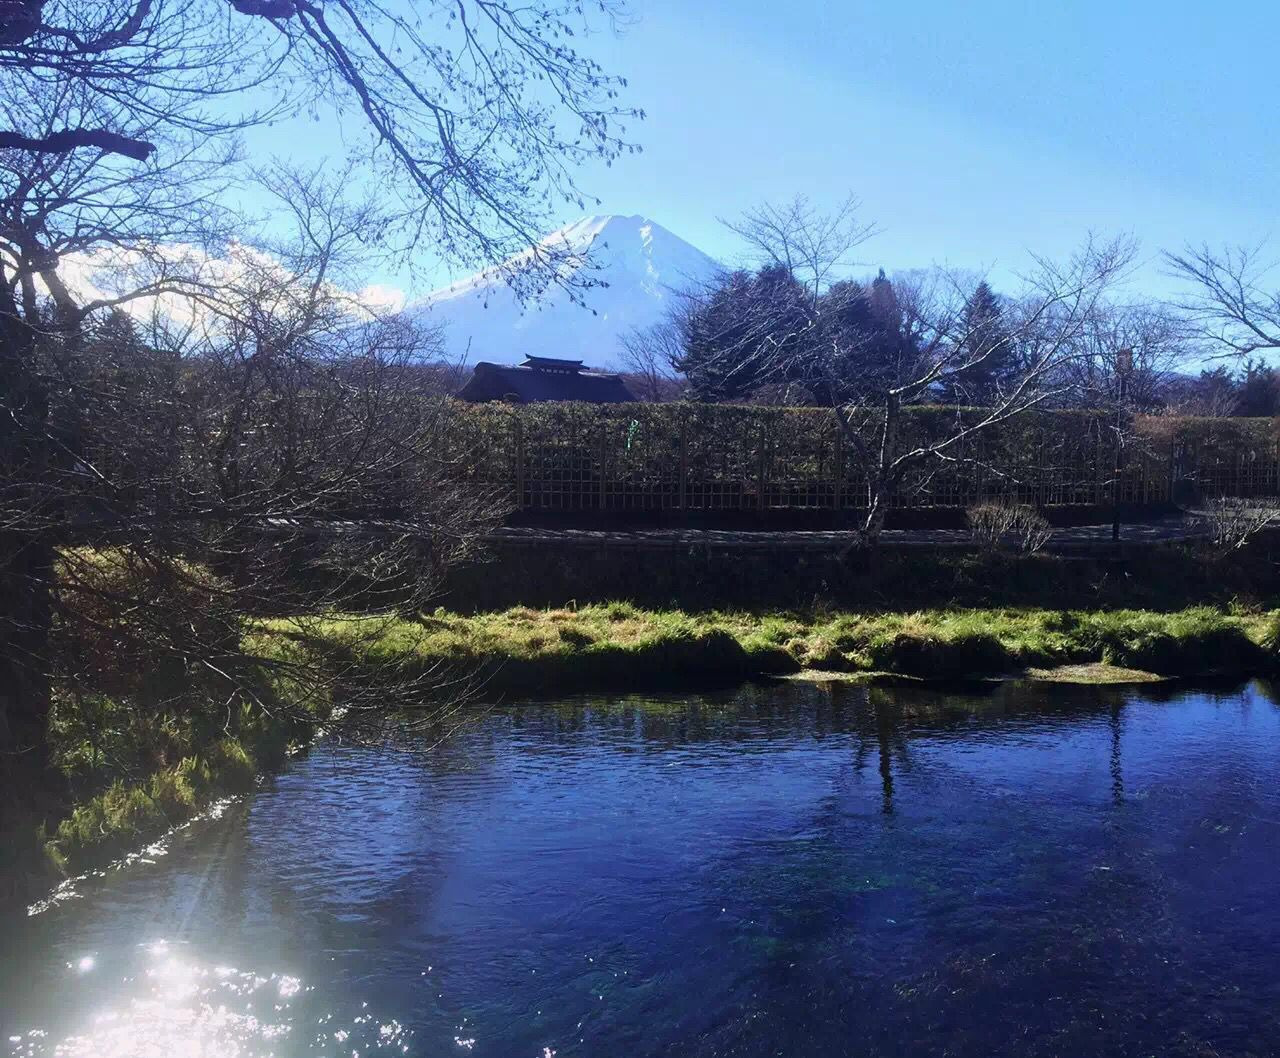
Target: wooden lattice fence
[{"x": 709, "y": 458}]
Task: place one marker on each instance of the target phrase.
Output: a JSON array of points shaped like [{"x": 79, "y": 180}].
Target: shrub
[
  {"x": 995, "y": 524},
  {"x": 1234, "y": 522}
]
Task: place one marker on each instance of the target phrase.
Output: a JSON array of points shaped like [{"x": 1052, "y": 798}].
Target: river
[{"x": 776, "y": 870}]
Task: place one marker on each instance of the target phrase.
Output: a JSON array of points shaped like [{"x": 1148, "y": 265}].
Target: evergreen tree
[
  {"x": 1258, "y": 392},
  {"x": 860, "y": 341},
  {"x": 839, "y": 350},
  {"x": 884, "y": 305},
  {"x": 767, "y": 329},
  {"x": 888, "y": 348},
  {"x": 985, "y": 342},
  {"x": 748, "y": 332}
]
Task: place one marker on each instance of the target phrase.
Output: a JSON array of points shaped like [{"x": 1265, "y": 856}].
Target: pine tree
[
  {"x": 860, "y": 341},
  {"x": 1258, "y": 392},
  {"x": 985, "y": 343},
  {"x": 749, "y": 332}
]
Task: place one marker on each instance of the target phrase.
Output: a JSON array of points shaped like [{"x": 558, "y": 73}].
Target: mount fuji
[{"x": 639, "y": 264}]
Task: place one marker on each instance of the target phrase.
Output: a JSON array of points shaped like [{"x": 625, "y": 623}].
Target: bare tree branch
[
  {"x": 1230, "y": 298},
  {"x": 73, "y": 139}
]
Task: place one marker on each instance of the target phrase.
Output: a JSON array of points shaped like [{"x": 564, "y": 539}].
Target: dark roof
[
  {"x": 551, "y": 363},
  {"x": 542, "y": 378}
]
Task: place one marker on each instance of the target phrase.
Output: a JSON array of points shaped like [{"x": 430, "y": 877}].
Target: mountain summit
[{"x": 639, "y": 262}]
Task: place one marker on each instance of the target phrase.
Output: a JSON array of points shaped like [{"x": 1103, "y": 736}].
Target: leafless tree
[
  {"x": 1233, "y": 297},
  {"x": 1129, "y": 353},
  {"x": 872, "y": 350},
  {"x": 272, "y": 430},
  {"x": 119, "y": 132},
  {"x": 1124, "y": 363},
  {"x": 647, "y": 357},
  {"x": 814, "y": 246},
  {"x": 1044, "y": 322},
  {"x": 1213, "y": 395}
]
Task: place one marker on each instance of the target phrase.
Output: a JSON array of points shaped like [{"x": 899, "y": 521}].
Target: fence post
[
  {"x": 684, "y": 459},
  {"x": 838, "y": 492},
  {"x": 519, "y": 463},
  {"x": 762, "y": 468},
  {"x": 603, "y": 460},
  {"x": 1097, "y": 465}
]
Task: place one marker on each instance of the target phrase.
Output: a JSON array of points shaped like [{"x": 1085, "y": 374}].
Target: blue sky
[{"x": 973, "y": 133}]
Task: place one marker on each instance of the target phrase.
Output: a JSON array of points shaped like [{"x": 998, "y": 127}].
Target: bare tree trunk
[
  {"x": 882, "y": 477},
  {"x": 26, "y": 570},
  {"x": 873, "y": 524}
]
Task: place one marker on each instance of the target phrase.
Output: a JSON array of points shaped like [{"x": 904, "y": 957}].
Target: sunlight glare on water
[{"x": 164, "y": 1005}]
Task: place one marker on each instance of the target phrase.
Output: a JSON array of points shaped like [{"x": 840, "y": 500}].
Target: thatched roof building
[{"x": 543, "y": 378}]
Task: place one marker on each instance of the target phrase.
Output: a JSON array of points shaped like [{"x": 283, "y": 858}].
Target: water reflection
[
  {"x": 1003, "y": 870},
  {"x": 1117, "y": 759}
]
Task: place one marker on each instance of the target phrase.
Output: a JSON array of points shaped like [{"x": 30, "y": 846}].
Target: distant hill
[{"x": 641, "y": 262}]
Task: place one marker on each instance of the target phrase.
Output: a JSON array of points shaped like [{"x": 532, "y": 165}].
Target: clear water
[{"x": 773, "y": 871}]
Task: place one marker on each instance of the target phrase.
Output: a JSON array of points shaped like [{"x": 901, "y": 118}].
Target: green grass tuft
[{"x": 523, "y": 650}]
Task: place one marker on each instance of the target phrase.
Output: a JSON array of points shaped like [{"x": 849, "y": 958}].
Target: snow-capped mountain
[{"x": 640, "y": 263}]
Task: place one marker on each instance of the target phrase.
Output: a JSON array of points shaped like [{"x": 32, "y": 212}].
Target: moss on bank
[
  {"x": 137, "y": 804},
  {"x": 143, "y": 734}
]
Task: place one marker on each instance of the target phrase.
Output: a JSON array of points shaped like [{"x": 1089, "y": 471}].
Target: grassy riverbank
[
  {"x": 146, "y": 727},
  {"x": 617, "y": 645},
  {"x": 132, "y": 773},
  {"x": 129, "y": 785}
]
